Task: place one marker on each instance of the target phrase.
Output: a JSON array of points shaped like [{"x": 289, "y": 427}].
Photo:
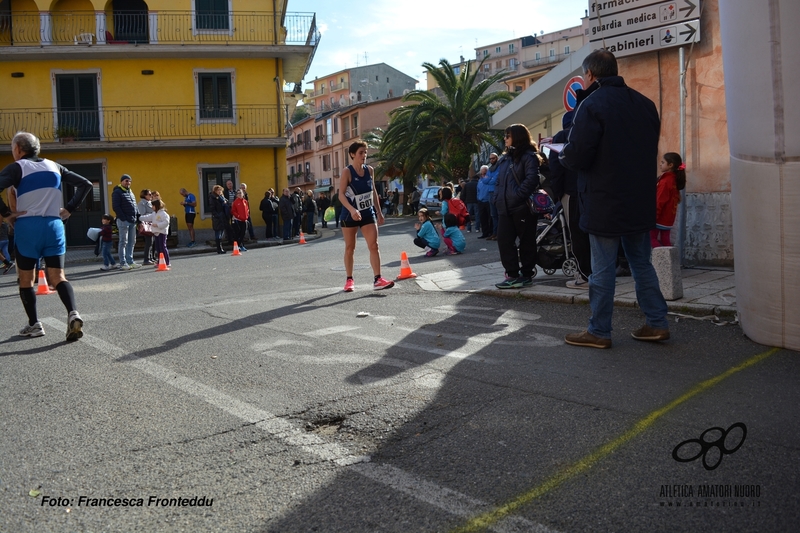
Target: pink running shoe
[
  {"x": 349, "y": 285},
  {"x": 382, "y": 283}
]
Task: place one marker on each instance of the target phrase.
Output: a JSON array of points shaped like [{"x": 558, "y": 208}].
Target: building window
[
  {"x": 485, "y": 53},
  {"x": 212, "y": 15},
  {"x": 538, "y": 56},
  {"x": 215, "y": 95},
  {"x": 518, "y": 88},
  {"x": 566, "y": 49},
  {"x": 387, "y": 80},
  {"x": 326, "y": 162},
  {"x": 511, "y": 48},
  {"x": 552, "y": 53},
  {"x": 214, "y": 176},
  {"x": 499, "y": 65},
  {"x": 335, "y": 125},
  {"x": 456, "y": 70},
  {"x": 487, "y": 68},
  {"x": 498, "y": 49}
]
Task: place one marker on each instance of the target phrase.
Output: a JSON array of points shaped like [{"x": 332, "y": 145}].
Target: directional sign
[
  {"x": 665, "y": 13},
  {"x": 653, "y": 39},
  {"x": 570, "y": 92},
  {"x": 609, "y": 7}
]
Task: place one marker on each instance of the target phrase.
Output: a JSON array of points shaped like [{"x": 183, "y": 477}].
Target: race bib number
[{"x": 363, "y": 201}]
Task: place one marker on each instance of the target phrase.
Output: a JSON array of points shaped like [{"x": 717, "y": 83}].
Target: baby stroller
[{"x": 553, "y": 244}]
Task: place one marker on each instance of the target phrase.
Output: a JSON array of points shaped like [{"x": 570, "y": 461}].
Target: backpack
[{"x": 458, "y": 208}]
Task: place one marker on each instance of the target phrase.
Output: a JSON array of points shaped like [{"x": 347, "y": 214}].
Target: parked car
[{"x": 430, "y": 199}]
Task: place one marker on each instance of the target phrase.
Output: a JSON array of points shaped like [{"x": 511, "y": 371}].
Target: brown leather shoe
[
  {"x": 646, "y": 333},
  {"x": 587, "y": 339}
]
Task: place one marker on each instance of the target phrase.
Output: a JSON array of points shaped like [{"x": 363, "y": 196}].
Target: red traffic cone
[
  {"x": 236, "y": 249},
  {"x": 41, "y": 287},
  {"x": 162, "y": 264},
  {"x": 405, "y": 268},
  {"x": 302, "y": 238}
]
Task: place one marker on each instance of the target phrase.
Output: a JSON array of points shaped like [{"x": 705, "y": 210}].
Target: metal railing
[
  {"x": 163, "y": 27},
  {"x": 558, "y": 58},
  {"x": 140, "y": 123},
  {"x": 299, "y": 148}
]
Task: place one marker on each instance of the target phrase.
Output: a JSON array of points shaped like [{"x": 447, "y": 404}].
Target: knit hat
[{"x": 124, "y": 177}]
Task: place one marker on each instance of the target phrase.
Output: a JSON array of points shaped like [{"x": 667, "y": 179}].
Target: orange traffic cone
[
  {"x": 41, "y": 287},
  {"x": 405, "y": 268},
  {"x": 236, "y": 249},
  {"x": 302, "y": 238},
  {"x": 162, "y": 264}
]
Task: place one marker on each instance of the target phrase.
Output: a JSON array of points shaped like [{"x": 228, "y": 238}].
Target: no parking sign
[{"x": 571, "y": 92}]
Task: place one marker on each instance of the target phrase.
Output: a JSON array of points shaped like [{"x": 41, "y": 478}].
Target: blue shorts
[{"x": 36, "y": 237}]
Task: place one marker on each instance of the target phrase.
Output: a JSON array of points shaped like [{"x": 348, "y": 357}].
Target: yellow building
[{"x": 175, "y": 93}]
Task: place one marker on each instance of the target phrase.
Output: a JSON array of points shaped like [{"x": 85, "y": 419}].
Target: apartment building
[
  {"x": 176, "y": 93},
  {"x": 318, "y": 150},
  {"x": 522, "y": 60},
  {"x": 351, "y": 86}
]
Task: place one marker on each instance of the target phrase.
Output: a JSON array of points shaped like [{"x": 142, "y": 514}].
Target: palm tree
[{"x": 438, "y": 135}]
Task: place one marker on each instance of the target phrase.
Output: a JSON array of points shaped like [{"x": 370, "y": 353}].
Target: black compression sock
[
  {"x": 64, "y": 290},
  {"x": 28, "y": 297}
]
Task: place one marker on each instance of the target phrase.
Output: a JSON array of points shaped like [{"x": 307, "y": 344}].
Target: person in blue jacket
[
  {"x": 427, "y": 236},
  {"x": 452, "y": 236}
]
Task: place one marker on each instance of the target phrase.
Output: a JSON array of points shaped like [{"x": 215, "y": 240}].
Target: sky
[{"x": 406, "y": 33}]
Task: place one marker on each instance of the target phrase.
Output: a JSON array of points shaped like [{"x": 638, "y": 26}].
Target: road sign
[
  {"x": 652, "y": 39},
  {"x": 570, "y": 92},
  {"x": 665, "y": 13},
  {"x": 609, "y": 7}
]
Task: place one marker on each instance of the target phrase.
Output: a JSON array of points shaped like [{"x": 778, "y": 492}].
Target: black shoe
[{"x": 622, "y": 272}]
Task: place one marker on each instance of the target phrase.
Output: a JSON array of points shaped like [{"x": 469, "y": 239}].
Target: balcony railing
[
  {"x": 547, "y": 60},
  {"x": 165, "y": 27},
  {"x": 143, "y": 123},
  {"x": 299, "y": 148}
]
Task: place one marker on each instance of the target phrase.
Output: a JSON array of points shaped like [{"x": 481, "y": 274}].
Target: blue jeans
[
  {"x": 287, "y": 229},
  {"x": 127, "y": 239},
  {"x": 474, "y": 216},
  {"x": 108, "y": 259},
  {"x": 602, "y": 282},
  {"x": 495, "y": 216},
  {"x": 310, "y": 222}
]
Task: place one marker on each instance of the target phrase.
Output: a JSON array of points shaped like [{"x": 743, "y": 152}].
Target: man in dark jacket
[
  {"x": 297, "y": 203},
  {"x": 287, "y": 210},
  {"x": 613, "y": 145},
  {"x": 123, "y": 202},
  {"x": 469, "y": 195}
]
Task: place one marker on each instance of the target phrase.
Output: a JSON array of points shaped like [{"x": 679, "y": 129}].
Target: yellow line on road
[{"x": 486, "y": 520}]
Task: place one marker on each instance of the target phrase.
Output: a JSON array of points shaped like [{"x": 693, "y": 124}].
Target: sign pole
[{"x": 682, "y": 205}]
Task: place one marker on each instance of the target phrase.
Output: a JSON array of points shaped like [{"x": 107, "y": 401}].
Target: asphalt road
[{"x": 253, "y": 385}]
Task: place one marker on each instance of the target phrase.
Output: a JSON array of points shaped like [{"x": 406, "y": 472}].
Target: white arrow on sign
[
  {"x": 652, "y": 39},
  {"x": 662, "y": 14}
]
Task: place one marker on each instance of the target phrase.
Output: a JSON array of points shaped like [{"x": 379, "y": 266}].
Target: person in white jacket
[{"x": 160, "y": 220}]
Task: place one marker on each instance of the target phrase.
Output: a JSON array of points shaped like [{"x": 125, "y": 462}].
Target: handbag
[{"x": 145, "y": 229}]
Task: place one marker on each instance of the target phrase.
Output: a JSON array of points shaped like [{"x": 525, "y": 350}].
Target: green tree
[
  {"x": 300, "y": 112},
  {"x": 439, "y": 134}
]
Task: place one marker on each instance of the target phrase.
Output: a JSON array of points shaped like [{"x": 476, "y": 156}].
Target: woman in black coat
[
  {"x": 217, "y": 204},
  {"x": 517, "y": 179},
  {"x": 267, "y": 208}
]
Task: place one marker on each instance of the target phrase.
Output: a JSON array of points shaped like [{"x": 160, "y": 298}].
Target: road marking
[
  {"x": 425, "y": 491},
  {"x": 329, "y": 331},
  {"x": 427, "y": 349},
  {"x": 486, "y": 520}
]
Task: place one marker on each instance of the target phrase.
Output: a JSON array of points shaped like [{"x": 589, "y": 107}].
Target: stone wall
[{"x": 709, "y": 230}]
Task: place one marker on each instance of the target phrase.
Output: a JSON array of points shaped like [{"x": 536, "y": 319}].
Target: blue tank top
[{"x": 359, "y": 194}]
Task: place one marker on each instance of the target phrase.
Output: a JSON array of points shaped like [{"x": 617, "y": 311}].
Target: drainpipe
[
  {"x": 682, "y": 204},
  {"x": 760, "y": 73}
]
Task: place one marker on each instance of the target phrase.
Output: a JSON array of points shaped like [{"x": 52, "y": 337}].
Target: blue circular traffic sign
[{"x": 571, "y": 92}]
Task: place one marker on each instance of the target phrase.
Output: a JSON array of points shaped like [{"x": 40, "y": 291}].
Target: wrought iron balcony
[
  {"x": 168, "y": 27},
  {"x": 144, "y": 123},
  {"x": 547, "y": 60}
]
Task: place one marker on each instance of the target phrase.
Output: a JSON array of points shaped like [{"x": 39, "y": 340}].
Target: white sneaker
[
  {"x": 136, "y": 265},
  {"x": 35, "y": 330},
  {"x": 104, "y": 267},
  {"x": 74, "y": 326},
  {"x": 125, "y": 267}
]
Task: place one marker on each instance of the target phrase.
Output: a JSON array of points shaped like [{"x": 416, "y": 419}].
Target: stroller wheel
[
  {"x": 570, "y": 267},
  {"x": 549, "y": 271}
]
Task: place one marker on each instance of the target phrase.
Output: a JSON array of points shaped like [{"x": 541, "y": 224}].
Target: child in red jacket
[{"x": 671, "y": 181}]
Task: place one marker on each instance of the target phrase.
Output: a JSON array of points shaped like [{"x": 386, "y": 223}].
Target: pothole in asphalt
[{"x": 325, "y": 425}]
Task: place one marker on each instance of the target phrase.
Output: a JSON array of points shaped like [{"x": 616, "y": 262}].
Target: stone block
[{"x": 667, "y": 262}]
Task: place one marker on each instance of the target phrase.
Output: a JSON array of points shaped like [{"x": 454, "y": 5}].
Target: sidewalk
[{"x": 705, "y": 291}]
